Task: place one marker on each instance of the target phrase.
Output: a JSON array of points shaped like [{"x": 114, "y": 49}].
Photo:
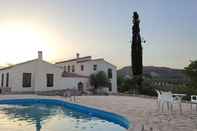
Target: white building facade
[
  {"x": 86, "y": 66},
  {"x": 38, "y": 76}
]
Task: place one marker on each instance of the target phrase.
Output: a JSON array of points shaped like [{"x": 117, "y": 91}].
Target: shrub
[
  {"x": 99, "y": 80},
  {"x": 185, "y": 90},
  {"x": 147, "y": 89}
]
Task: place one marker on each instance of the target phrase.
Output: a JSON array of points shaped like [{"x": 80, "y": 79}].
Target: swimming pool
[{"x": 56, "y": 115}]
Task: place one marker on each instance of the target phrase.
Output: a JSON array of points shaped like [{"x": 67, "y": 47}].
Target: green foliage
[
  {"x": 185, "y": 90},
  {"x": 99, "y": 80},
  {"x": 136, "y": 54},
  {"x": 93, "y": 80},
  {"x": 129, "y": 86},
  {"x": 125, "y": 85},
  {"x": 191, "y": 71},
  {"x": 122, "y": 84},
  {"x": 147, "y": 89},
  {"x": 120, "y": 81},
  {"x": 191, "y": 88}
]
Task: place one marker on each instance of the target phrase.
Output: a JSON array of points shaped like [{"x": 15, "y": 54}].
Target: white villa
[{"x": 38, "y": 75}]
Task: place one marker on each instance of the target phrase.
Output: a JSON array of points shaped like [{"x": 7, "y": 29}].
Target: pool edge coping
[{"x": 127, "y": 123}]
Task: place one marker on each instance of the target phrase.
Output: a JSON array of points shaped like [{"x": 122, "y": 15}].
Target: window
[
  {"x": 110, "y": 86},
  {"x": 7, "y": 79},
  {"x": 94, "y": 67},
  {"x": 68, "y": 68},
  {"x": 82, "y": 67},
  {"x": 80, "y": 87},
  {"x": 64, "y": 68},
  {"x": 49, "y": 80},
  {"x": 2, "y": 79},
  {"x": 109, "y": 73},
  {"x": 73, "y": 68},
  {"x": 26, "y": 79}
]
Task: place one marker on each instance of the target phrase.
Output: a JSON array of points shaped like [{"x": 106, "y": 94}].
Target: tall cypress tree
[{"x": 137, "y": 66}]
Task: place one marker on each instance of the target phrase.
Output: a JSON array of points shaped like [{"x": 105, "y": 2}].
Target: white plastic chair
[
  {"x": 194, "y": 101},
  {"x": 159, "y": 98},
  {"x": 170, "y": 100},
  {"x": 167, "y": 98},
  {"x": 164, "y": 98}
]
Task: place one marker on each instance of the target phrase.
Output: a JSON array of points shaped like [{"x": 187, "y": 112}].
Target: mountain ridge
[{"x": 156, "y": 71}]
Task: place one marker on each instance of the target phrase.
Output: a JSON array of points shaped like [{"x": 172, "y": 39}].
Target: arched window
[
  {"x": 82, "y": 67},
  {"x": 73, "y": 68},
  {"x": 80, "y": 86},
  {"x": 109, "y": 72},
  {"x": 68, "y": 68},
  {"x": 2, "y": 79},
  {"x": 65, "y": 68},
  {"x": 110, "y": 86},
  {"x": 7, "y": 79}
]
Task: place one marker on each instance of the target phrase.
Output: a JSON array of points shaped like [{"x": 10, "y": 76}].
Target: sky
[{"x": 100, "y": 28}]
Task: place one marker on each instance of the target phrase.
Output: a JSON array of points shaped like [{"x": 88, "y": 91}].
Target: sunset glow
[
  {"x": 98, "y": 28},
  {"x": 24, "y": 40},
  {"x": 21, "y": 35}
]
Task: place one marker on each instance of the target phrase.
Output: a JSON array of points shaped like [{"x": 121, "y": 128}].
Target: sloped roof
[
  {"x": 101, "y": 59},
  {"x": 12, "y": 66},
  {"x": 81, "y": 58},
  {"x": 9, "y": 67},
  {"x": 84, "y": 59}
]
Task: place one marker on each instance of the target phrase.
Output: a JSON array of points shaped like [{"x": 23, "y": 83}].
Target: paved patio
[{"x": 142, "y": 112}]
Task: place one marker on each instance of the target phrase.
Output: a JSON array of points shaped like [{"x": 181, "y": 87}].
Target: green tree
[
  {"x": 99, "y": 80},
  {"x": 125, "y": 85},
  {"x": 120, "y": 80},
  {"x": 136, "y": 54},
  {"x": 191, "y": 88},
  {"x": 191, "y": 71},
  {"x": 128, "y": 85}
]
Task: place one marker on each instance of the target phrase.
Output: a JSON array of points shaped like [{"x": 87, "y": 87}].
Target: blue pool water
[{"x": 28, "y": 116}]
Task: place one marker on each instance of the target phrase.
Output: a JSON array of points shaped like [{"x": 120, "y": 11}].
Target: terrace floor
[{"x": 142, "y": 112}]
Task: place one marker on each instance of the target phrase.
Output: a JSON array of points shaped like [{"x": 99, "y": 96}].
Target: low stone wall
[
  {"x": 64, "y": 92},
  {"x": 5, "y": 90},
  {"x": 51, "y": 93}
]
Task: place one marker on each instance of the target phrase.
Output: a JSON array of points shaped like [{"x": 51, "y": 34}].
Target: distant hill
[{"x": 155, "y": 72}]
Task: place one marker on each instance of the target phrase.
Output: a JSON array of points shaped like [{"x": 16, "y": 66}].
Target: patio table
[{"x": 178, "y": 96}]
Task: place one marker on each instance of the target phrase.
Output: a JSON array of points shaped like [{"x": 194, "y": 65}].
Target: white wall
[
  {"x": 104, "y": 66},
  {"x": 72, "y": 83},
  {"x": 44, "y": 68},
  {"x": 88, "y": 69},
  {"x": 16, "y": 76},
  {"x": 59, "y": 81},
  {"x": 4, "y": 81},
  {"x": 39, "y": 69}
]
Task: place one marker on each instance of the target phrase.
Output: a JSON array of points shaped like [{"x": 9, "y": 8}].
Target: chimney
[
  {"x": 40, "y": 55},
  {"x": 77, "y": 55}
]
